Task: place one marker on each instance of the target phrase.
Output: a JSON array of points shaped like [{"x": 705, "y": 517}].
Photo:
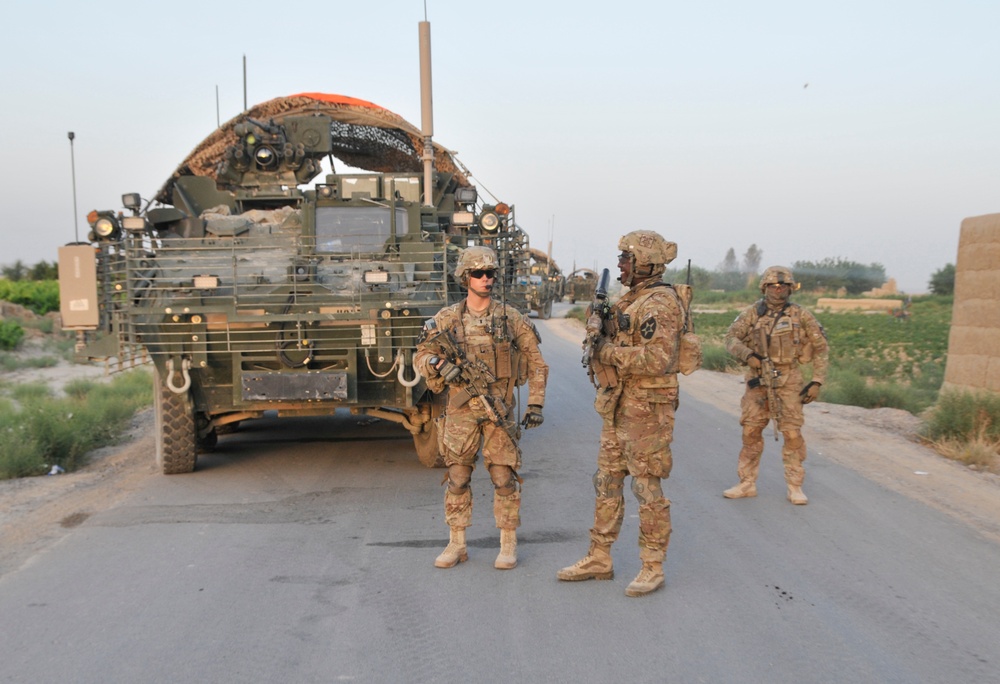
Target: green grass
[
  {"x": 39, "y": 430},
  {"x": 876, "y": 360}
]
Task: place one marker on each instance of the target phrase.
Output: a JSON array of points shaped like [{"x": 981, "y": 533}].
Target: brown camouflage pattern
[
  {"x": 638, "y": 415},
  {"x": 796, "y": 338},
  {"x": 464, "y": 431},
  {"x": 458, "y": 508}
]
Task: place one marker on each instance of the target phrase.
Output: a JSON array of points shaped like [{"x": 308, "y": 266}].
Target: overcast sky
[{"x": 860, "y": 130}]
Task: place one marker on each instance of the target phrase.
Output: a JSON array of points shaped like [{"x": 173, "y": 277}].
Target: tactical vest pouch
[
  {"x": 689, "y": 353},
  {"x": 503, "y": 360}
]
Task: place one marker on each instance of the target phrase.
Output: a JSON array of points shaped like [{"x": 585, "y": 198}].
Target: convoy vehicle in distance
[
  {"x": 545, "y": 283},
  {"x": 580, "y": 285},
  {"x": 252, "y": 291}
]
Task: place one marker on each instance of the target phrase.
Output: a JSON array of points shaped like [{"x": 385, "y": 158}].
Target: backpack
[{"x": 689, "y": 353}]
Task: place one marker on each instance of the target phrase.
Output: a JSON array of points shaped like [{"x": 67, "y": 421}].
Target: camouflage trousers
[
  {"x": 458, "y": 509},
  {"x": 635, "y": 441},
  {"x": 462, "y": 432},
  {"x": 754, "y": 417}
]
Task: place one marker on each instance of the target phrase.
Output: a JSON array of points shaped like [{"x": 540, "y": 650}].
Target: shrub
[
  {"x": 42, "y": 430},
  {"x": 11, "y": 334},
  {"x": 964, "y": 415}
]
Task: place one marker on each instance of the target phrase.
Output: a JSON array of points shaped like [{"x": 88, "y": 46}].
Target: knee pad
[
  {"x": 504, "y": 479},
  {"x": 458, "y": 478},
  {"x": 608, "y": 485},
  {"x": 793, "y": 439},
  {"x": 753, "y": 435},
  {"x": 647, "y": 489}
]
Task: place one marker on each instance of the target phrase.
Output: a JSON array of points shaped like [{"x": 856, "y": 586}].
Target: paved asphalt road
[{"x": 302, "y": 550}]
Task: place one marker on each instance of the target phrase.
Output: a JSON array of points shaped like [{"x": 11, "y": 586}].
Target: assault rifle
[
  {"x": 473, "y": 375},
  {"x": 600, "y": 374},
  {"x": 768, "y": 379}
]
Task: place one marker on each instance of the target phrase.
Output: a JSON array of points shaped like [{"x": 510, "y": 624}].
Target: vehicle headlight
[
  {"x": 489, "y": 222},
  {"x": 106, "y": 228}
]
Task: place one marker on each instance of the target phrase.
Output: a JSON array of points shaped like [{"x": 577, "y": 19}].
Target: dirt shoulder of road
[{"x": 880, "y": 444}]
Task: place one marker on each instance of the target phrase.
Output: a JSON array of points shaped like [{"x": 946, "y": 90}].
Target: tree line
[{"x": 829, "y": 275}]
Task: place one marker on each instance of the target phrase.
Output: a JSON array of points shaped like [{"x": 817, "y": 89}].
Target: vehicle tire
[
  {"x": 426, "y": 441},
  {"x": 176, "y": 440},
  {"x": 546, "y": 312}
]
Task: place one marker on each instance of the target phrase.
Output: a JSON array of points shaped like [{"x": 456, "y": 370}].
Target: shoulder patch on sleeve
[{"x": 648, "y": 328}]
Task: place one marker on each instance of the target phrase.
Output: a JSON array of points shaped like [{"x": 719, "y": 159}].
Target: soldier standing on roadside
[
  {"x": 773, "y": 337},
  {"x": 637, "y": 413},
  {"x": 497, "y": 348}
]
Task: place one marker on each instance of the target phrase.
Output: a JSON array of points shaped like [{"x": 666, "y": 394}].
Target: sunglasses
[{"x": 490, "y": 273}]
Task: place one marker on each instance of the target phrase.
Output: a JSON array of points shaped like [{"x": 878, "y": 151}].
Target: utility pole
[{"x": 72, "y": 164}]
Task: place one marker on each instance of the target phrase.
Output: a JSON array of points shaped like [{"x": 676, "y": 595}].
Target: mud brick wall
[{"x": 974, "y": 341}]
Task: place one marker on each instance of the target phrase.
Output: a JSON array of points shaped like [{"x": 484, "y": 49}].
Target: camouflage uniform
[
  {"x": 789, "y": 336},
  {"x": 510, "y": 352},
  {"x": 638, "y": 422}
]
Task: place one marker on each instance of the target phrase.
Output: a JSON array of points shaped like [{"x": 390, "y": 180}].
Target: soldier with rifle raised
[
  {"x": 773, "y": 337},
  {"x": 478, "y": 351},
  {"x": 632, "y": 351}
]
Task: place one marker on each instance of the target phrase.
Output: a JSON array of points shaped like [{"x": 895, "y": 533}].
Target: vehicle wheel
[
  {"x": 546, "y": 312},
  {"x": 572, "y": 300},
  {"x": 176, "y": 441},
  {"x": 426, "y": 441}
]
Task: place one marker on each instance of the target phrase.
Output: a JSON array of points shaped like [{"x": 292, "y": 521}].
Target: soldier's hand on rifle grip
[
  {"x": 532, "y": 417},
  {"x": 754, "y": 361},
  {"x": 448, "y": 371},
  {"x": 602, "y": 350},
  {"x": 810, "y": 392}
]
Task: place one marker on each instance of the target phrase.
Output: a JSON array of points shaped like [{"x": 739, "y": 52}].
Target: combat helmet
[
  {"x": 777, "y": 274},
  {"x": 650, "y": 253},
  {"x": 473, "y": 258}
]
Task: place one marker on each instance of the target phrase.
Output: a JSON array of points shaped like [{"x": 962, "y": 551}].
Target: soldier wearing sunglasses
[{"x": 497, "y": 350}]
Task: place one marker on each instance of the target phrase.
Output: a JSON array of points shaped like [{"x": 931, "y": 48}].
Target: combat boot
[
  {"x": 744, "y": 489},
  {"x": 456, "y": 551},
  {"x": 796, "y": 496},
  {"x": 595, "y": 565},
  {"x": 649, "y": 579},
  {"x": 507, "y": 560}
]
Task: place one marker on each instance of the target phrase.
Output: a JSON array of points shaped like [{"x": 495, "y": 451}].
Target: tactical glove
[
  {"x": 754, "y": 361},
  {"x": 532, "y": 417},
  {"x": 810, "y": 392},
  {"x": 448, "y": 371}
]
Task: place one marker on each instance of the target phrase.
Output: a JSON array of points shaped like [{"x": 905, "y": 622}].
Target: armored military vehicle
[
  {"x": 545, "y": 283},
  {"x": 253, "y": 292},
  {"x": 580, "y": 285}
]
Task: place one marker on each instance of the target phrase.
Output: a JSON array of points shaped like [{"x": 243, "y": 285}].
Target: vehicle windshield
[{"x": 356, "y": 230}]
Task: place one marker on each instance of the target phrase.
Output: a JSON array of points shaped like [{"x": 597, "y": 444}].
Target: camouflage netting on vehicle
[{"x": 365, "y": 136}]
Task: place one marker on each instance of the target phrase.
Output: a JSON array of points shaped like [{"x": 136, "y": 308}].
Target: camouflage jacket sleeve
[
  {"x": 738, "y": 337},
  {"x": 422, "y": 357},
  {"x": 649, "y": 347},
  {"x": 527, "y": 341},
  {"x": 813, "y": 330}
]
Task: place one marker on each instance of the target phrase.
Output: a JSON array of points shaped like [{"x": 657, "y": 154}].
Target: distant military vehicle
[
  {"x": 580, "y": 285},
  {"x": 545, "y": 283},
  {"x": 251, "y": 294}
]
